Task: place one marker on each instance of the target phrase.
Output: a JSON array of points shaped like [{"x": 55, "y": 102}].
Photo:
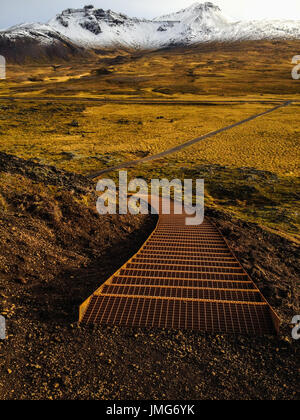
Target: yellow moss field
[
  {"x": 271, "y": 143},
  {"x": 84, "y": 138}
]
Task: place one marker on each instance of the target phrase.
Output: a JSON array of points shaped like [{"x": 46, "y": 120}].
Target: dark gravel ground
[
  {"x": 48, "y": 356},
  {"x": 271, "y": 260},
  {"x": 48, "y": 360}
]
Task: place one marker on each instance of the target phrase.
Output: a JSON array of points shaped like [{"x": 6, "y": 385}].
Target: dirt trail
[{"x": 142, "y": 101}]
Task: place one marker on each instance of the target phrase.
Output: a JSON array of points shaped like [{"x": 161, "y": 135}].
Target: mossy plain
[{"x": 85, "y": 137}]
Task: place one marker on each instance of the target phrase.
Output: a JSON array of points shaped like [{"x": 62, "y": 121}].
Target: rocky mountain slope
[
  {"x": 92, "y": 28},
  {"x": 38, "y": 42}
]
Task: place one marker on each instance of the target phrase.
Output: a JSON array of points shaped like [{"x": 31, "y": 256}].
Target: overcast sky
[{"x": 13, "y": 12}]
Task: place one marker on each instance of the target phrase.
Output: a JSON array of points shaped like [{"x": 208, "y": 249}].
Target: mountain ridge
[{"x": 75, "y": 30}]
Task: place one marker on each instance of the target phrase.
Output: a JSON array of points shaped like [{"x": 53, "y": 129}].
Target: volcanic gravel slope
[{"x": 55, "y": 251}]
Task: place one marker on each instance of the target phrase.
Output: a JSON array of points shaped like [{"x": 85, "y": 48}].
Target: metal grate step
[{"x": 183, "y": 277}]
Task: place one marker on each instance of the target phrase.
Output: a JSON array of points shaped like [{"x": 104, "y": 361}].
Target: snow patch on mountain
[
  {"x": 90, "y": 27},
  {"x": 42, "y": 33}
]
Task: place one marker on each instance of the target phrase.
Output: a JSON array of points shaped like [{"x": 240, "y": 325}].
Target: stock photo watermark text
[
  {"x": 136, "y": 197},
  {"x": 296, "y": 68},
  {"x": 2, "y": 328},
  {"x": 2, "y": 67},
  {"x": 296, "y": 329}
]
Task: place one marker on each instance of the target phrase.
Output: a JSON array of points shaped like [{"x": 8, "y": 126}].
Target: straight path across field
[
  {"x": 141, "y": 101},
  {"x": 181, "y": 146},
  {"x": 129, "y": 164}
]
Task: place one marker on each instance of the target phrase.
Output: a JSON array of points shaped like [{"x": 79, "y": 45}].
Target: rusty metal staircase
[{"x": 183, "y": 277}]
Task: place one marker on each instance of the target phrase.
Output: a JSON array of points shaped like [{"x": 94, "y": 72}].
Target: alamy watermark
[
  {"x": 136, "y": 197},
  {"x": 2, "y": 328},
  {"x": 296, "y": 329},
  {"x": 2, "y": 67},
  {"x": 296, "y": 69}
]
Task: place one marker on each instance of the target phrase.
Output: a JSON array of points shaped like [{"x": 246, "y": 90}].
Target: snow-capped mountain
[
  {"x": 92, "y": 28},
  {"x": 201, "y": 22},
  {"x": 37, "y": 41}
]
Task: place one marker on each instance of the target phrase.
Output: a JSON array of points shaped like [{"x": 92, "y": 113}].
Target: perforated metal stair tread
[{"x": 183, "y": 277}]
